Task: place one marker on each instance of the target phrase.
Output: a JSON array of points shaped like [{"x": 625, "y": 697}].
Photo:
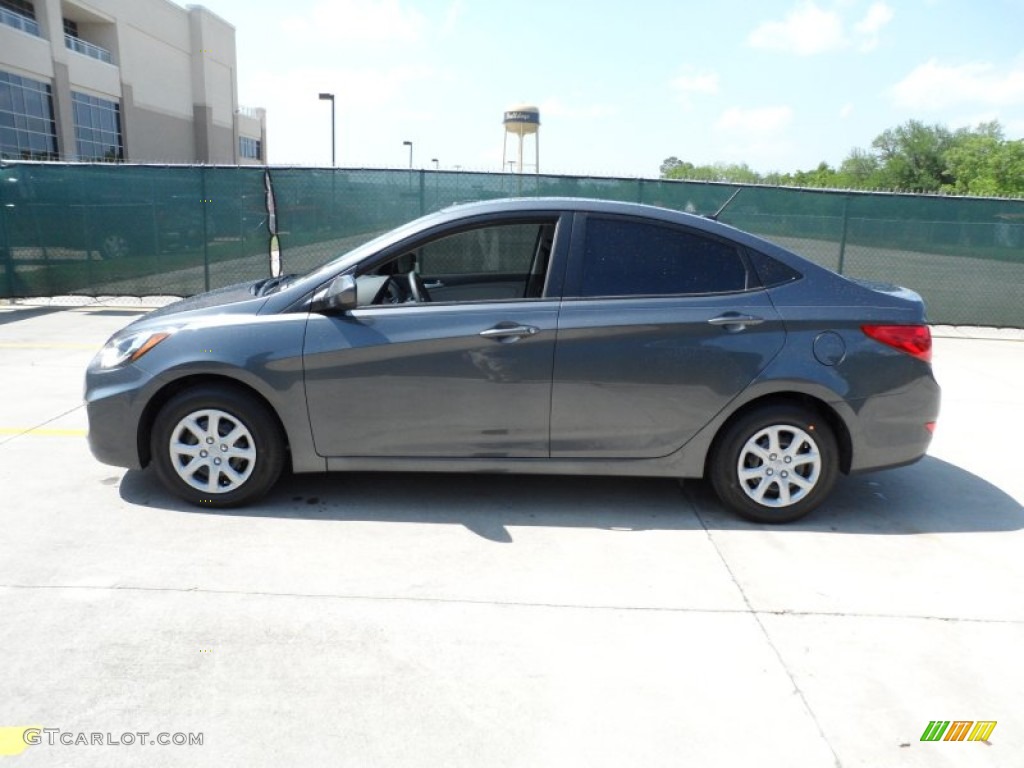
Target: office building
[{"x": 144, "y": 81}]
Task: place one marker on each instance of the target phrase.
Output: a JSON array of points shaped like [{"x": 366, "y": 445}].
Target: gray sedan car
[{"x": 557, "y": 336}]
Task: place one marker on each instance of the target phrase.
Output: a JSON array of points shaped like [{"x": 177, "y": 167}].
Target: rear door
[{"x": 661, "y": 327}]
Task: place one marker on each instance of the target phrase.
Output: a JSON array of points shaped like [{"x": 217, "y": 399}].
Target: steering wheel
[
  {"x": 392, "y": 292},
  {"x": 417, "y": 289}
]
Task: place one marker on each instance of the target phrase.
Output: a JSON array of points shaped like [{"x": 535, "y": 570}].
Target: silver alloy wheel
[
  {"x": 212, "y": 451},
  {"x": 114, "y": 246},
  {"x": 779, "y": 466}
]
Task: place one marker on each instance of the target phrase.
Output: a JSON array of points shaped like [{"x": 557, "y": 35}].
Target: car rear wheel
[
  {"x": 775, "y": 464},
  {"x": 217, "y": 447}
]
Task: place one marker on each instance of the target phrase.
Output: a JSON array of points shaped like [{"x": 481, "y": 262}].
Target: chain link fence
[{"x": 134, "y": 230}]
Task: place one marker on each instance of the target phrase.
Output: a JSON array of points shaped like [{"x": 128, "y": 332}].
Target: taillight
[{"x": 915, "y": 340}]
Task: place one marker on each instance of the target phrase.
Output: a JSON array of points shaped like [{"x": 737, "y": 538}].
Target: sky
[{"x": 621, "y": 86}]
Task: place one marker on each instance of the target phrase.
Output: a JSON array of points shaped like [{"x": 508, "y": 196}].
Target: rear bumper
[{"x": 892, "y": 428}]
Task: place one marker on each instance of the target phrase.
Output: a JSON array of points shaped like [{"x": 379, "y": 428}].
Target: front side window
[
  {"x": 27, "y": 128},
  {"x": 625, "y": 257},
  {"x": 501, "y": 250},
  {"x": 97, "y": 128},
  {"x": 500, "y": 262}
]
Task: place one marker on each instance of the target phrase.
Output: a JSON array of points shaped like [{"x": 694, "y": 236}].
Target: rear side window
[
  {"x": 771, "y": 271},
  {"x": 624, "y": 257}
]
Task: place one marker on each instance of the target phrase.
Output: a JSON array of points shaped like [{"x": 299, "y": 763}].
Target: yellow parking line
[
  {"x": 52, "y": 345},
  {"x": 43, "y": 432}
]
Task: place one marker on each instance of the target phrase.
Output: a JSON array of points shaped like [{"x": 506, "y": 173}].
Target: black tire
[
  {"x": 779, "y": 485},
  {"x": 244, "y": 459}
]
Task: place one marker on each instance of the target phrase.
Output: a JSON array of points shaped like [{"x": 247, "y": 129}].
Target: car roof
[
  {"x": 591, "y": 205},
  {"x": 585, "y": 204}
]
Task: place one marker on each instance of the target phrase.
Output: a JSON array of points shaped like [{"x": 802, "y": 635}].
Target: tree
[
  {"x": 860, "y": 170},
  {"x": 669, "y": 165},
  {"x": 913, "y": 156},
  {"x": 982, "y": 162},
  {"x": 674, "y": 168}
]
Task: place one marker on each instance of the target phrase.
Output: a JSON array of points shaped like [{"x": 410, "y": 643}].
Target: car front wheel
[
  {"x": 775, "y": 464},
  {"x": 217, "y": 447}
]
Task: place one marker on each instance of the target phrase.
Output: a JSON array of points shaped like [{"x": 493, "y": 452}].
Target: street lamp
[
  {"x": 437, "y": 164},
  {"x": 409, "y": 145},
  {"x": 330, "y": 97}
]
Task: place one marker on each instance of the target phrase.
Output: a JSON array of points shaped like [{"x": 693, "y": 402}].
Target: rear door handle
[
  {"x": 509, "y": 332},
  {"x": 734, "y": 321}
]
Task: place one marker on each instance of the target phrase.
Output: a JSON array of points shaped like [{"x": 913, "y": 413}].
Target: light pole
[
  {"x": 409, "y": 145},
  {"x": 437, "y": 164},
  {"x": 330, "y": 97}
]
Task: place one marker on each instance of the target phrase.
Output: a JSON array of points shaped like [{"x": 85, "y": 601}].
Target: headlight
[{"x": 124, "y": 349}]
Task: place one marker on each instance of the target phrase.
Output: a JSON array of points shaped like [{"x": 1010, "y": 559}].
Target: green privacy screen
[{"x": 108, "y": 230}]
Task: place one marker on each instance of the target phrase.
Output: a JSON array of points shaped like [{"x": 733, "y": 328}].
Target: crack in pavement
[
  {"x": 764, "y": 630},
  {"x": 30, "y": 430},
  {"x": 748, "y": 611}
]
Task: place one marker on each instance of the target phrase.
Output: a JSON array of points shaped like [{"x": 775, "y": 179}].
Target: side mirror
[{"x": 339, "y": 295}]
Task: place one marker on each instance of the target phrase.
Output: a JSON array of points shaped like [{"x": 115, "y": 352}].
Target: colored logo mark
[
  {"x": 959, "y": 730},
  {"x": 13, "y": 741}
]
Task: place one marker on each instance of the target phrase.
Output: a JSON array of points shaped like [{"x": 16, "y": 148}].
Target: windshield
[{"x": 342, "y": 262}]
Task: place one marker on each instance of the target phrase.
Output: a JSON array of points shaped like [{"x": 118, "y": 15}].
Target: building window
[
  {"x": 20, "y": 15},
  {"x": 97, "y": 128},
  {"x": 27, "y": 128},
  {"x": 24, "y": 7},
  {"x": 250, "y": 148},
  {"x": 71, "y": 28}
]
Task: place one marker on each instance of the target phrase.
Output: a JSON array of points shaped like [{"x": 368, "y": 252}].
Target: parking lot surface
[{"x": 464, "y": 620}]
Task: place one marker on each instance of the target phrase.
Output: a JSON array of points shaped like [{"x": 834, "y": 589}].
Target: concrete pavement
[{"x": 394, "y": 620}]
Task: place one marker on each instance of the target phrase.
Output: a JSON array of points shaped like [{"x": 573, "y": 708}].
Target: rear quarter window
[
  {"x": 771, "y": 271},
  {"x": 624, "y": 257}
]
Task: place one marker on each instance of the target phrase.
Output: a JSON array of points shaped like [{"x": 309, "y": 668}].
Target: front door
[{"x": 465, "y": 371}]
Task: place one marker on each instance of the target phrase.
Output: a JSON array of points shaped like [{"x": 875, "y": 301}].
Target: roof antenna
[{"x": 714, "y": 216}]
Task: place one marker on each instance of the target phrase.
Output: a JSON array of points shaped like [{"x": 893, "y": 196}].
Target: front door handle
[
  {"x": 734, "y": 321},
  {"x": 502, "y": 332}
]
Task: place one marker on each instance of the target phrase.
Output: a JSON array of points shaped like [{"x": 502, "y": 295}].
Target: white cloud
[
  {"x": 452, "y": 16},
  {"x": 808, "y": 30},
  {"x": 363, "y": 21},
  {"x": 937, "y": 86},
  {"x": 764, "y": 120},
  {"x": 696, "y": 82},
  {"x": 878, "y": 16},
  {"x": 870, "y": 26},
  {"x": 805, "y": 31},
  {"x": 846, "y": 111}
]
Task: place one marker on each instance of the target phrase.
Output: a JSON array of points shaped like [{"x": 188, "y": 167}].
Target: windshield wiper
[{"x": 271, "y": 284}]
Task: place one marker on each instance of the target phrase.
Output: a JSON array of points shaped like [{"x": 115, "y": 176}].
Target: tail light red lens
[{"x": 915, "y": 340}]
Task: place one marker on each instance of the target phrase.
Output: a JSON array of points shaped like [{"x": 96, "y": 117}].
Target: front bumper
[{"x": 113, "y": 404}]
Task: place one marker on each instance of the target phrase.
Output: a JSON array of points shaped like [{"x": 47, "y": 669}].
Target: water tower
[{"x": 522, "y": 121}]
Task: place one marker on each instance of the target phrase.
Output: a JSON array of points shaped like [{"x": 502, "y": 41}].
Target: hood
[{"x": 232, "y": 298}]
